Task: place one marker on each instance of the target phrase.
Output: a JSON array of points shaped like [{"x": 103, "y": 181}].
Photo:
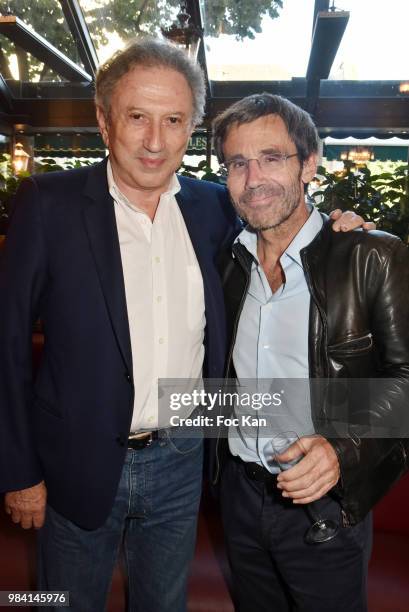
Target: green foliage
[
  {"x": 202, "y": 171},
  {"x": 241, "y": 18},
  {"x": 127, "y": 18},
  {"x": 382, "y": 198},
  {"x": 8, "y": 186},
  {"x": 47, "y": 19}
]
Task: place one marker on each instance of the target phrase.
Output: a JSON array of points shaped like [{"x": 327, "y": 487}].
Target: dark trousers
[{"x": 273, "y": 569}]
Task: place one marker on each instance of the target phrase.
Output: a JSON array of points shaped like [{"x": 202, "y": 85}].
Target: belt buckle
[
  {"x": 149, "y": 440},
  {"x": 141, "y": 441}
]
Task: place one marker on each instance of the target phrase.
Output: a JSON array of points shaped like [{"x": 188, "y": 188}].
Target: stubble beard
[{"x": 272, "y": 215}]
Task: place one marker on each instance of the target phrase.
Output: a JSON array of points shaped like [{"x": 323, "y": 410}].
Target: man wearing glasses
[{"x": 303, "y": 302}]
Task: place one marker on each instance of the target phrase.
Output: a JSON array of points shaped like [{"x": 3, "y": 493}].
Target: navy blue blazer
[{"x": 62, "y": 262}]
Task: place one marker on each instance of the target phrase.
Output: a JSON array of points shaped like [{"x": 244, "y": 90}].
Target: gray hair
[
  {"x": 298, "y": 122},
  {"x": 151, "y": 53}
]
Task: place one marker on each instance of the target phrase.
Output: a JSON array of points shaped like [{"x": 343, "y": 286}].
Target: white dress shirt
[{"x": 164, "y": 297}]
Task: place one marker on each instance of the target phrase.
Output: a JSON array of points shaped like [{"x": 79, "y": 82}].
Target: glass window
[
  {"x": 257, "y": 41},
  {"x": 46, "y": 18},
  {"x": 374, "y": 46},
  {"x": 113, "y": 23}
]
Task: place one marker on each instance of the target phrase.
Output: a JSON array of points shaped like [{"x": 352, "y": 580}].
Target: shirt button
[
  {"x": 151, "y": 419},
  {"x": 159, "y": 298},
  {"x": 157, "y": 259},
  {"x": 161, "y": 340}
]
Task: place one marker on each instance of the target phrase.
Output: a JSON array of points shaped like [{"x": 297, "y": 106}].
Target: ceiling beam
[
  {"x": 193, "y": 8},
  {"x": 329, "y": 28},
  {"x": 47, "y": 89},
  {"x": 347, "y": 114},
  {"x": 320, "y": 5},
  {"x": 58, "y": 113},
  {"x": 16, "y": 30},
  {"x": 79, "y": 30},
  {"x": 328, "y": 31},
  {"x": 6, "y": 100}
]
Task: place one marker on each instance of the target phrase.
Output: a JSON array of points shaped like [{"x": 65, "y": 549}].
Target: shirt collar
[
  {"x": 118, "y": 196},
  {"x": 306, "y": 234}
]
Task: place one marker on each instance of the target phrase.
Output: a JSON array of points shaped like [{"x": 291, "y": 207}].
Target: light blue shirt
[{"x": 272, "y": 336}]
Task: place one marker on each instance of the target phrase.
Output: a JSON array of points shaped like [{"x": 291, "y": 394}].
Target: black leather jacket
[{"x": 358, "y": 328}]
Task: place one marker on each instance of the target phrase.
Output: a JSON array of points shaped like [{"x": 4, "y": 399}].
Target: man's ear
[
  {"x": 309, "y": 169},
  {"x": 103, "y": 125}
]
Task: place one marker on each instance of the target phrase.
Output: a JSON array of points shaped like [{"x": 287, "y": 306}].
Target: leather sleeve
[{"x": 389, "y": 317}]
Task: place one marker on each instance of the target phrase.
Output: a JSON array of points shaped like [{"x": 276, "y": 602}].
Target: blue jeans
[{"x": 154, "y": 516}]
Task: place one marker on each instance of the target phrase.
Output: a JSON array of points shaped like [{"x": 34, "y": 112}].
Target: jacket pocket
[{"x": 354, "y": 346}]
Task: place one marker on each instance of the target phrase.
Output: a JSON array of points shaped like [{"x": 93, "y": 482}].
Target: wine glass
[{"x": 321, "y": 530}]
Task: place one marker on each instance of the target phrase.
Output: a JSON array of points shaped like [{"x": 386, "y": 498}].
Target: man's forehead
[
  {"x": 160, "y": 78},
  {"x": 266, "y": 131},
  {"x": 153, "y": 87}
]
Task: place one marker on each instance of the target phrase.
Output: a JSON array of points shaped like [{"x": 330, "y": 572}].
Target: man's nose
[
  {"x": 255, "y": 175},
  {"x": 153, "y": 140}
]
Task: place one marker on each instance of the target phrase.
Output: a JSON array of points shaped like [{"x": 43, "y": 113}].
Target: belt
[
  {"x": 257, "y": 472},
  {"x": 142, "y": 440}
]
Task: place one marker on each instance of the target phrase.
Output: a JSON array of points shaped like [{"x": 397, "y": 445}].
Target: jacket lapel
[
  {"x": 192, "y": 207},
  {"x": 100, "y": 224}
]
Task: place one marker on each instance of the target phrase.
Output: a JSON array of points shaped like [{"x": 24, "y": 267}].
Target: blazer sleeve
[{"x": 23, "y": 279}]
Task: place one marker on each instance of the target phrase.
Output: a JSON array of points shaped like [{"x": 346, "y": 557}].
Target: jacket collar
[{"x": 313, "y": 251}]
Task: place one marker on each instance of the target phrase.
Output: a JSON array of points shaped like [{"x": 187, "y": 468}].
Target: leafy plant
[
  {"x": 9, "y": 182},
  {"x": 383, "y": 198},
  {"x": 202, "y": 171}
]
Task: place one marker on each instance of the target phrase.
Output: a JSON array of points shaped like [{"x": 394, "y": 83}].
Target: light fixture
[
  {"x": 404, "y": 88},
  {"x": 358, "y": 156},
  {"x": 20, "y": 158},
  {"x": 183, "y": 33}
]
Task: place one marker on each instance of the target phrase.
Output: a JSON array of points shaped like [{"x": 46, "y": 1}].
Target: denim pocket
[{"x": 185, "y": 444}]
